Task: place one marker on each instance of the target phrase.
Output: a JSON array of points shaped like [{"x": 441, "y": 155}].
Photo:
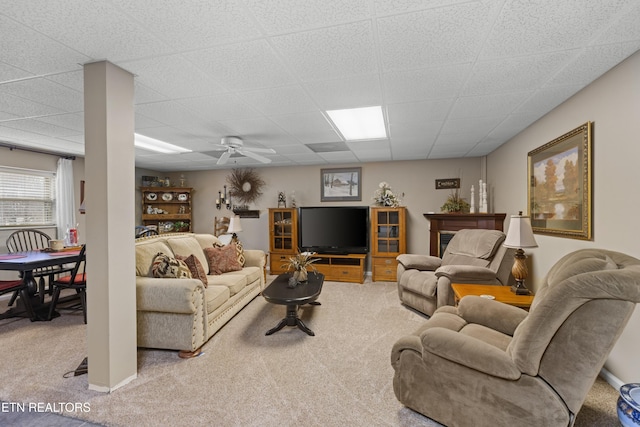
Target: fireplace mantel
[{"x": 452, "y": 222}]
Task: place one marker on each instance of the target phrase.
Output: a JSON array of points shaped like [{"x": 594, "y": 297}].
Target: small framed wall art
[{"x": 340, "y": 185}]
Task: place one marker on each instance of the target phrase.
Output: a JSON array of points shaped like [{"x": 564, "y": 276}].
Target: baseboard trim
[
  {"x": 105, "y": 389},
  {"x": 614, "y": 381}
]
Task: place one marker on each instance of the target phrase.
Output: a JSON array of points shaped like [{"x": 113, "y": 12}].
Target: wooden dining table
[{"x": 26, "y": 262}]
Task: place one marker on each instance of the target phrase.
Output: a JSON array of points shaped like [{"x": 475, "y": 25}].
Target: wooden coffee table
[
  {"x": 278, "y": 292},
  {"x": 500, "y": 293}
]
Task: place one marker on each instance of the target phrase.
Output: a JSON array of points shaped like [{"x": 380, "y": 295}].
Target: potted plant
[
  {"x": 455, "y": 203},
  {"x": 180, "y": 226},
  {"x": 299, "y": 265}
]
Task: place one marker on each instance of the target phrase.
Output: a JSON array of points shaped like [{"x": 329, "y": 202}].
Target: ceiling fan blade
[
  {"x": 259, "y": 150},
  {"x": 253, "y": 155},
  {"x": 225, "y": 156}
]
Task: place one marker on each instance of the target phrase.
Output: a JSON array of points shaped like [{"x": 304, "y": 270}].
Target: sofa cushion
[
  {"x": 222, "y": 260},
  {"x": 187, "y": 245},
  {"x": 215, "y": 296},
  {"x": 235, "y": 281},
  {"x": 207, "y": 240},
  {"x": 146, "y": 251},
  {"x": 240, "y": 252},
  {"x": 165, "y": 266},
  {"x": 195, "y": 267}
]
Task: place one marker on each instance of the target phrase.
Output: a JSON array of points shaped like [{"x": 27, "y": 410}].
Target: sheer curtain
[{"x": 65, "y": 198}]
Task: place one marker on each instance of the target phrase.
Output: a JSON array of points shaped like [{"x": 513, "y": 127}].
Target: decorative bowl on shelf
[{"x": 628, "y": 406}]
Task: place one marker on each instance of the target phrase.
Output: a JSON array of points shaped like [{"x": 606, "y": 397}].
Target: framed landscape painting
[
  {"x": 560, "y": 185},
  {"x": 340, "y": 185}
]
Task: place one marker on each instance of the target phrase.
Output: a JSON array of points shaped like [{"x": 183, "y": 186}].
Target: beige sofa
[{"x": 182, "y": 314}]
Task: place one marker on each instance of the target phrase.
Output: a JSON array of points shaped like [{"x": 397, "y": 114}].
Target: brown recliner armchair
[
  {"x": 485, "y": 363},
  {"x": 472, "y": 256}
]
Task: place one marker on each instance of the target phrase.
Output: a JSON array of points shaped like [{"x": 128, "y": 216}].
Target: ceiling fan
[{"x": 234, "y": 144}]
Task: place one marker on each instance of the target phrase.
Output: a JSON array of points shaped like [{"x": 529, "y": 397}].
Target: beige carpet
[{"x": 342, "y": 376}]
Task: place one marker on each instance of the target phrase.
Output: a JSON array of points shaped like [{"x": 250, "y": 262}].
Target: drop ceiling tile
[
  {"x": 512, "y": 125},
  {"x": 454, "y": 33},
  {"x": 40, "y": 127},
  {"x": 285, "y": 16},
  {"x": 515, "y": 74},
  {"x": 386, "y": 7},
  {"x": 8, "y": 73},
  {"x": 71, "y": 79},
  {"x": 592, "y": 62},
  {"x": 224, "y": 106},
  {"x": 46, "y": 92},
  {"x": 25, "y": 108},
  {"x": 29, "y": 50},
  {"x": 243, "y": 66},
  {"x": 111, "y": 35},
  {"x": 525, "y": 28},
  {"x": 546, "y": 99},
  {"x": 306, "y": 159},
  {"x": 625, "y": 28},
  {"x": 73, "y": 121},
  {"x": 192, "y": 24},
  {"x": 332, "y": 52},
  {"x": 410, "y": 150},
  {"x": 487, "y": 105},
  {"x": 350, "y": 92},
  {"x": 280, "y": 100},
  {"x": 424, "y": 111},
  {"x": 168, "y": 113},
  {"x": 420, "y": 85},
  {"x": 291, "y": 149},
  {"x": 144, "y": 94},
  {"x": 341, "y": 157},
  {"x": 172, "y": 76},
  {"x": 144, "y": 122},
  {"x": 476, "y": 125},
  {"x": 416, "y": 132},
  {"x": 309, "y": 128}
]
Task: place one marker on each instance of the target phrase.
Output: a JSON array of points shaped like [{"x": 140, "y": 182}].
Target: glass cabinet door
[
  {"x": 283, "y": 230},
  {"x": 388, "y": 232}
]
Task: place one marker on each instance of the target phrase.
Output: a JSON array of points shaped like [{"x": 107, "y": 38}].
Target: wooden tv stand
[{"x": 341, "y": 268}]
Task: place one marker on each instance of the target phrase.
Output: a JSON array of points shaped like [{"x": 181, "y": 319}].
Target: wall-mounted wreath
[{"x": 245, "y": 185}]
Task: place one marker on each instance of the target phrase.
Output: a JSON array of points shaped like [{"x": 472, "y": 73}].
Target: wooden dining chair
[
  {"x": 17, "y": 287},
  {"x": 30, "y": 240},
  {"x": 76, "y": 280}
]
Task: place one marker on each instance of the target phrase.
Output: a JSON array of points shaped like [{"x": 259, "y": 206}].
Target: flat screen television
[{"x": 334, "y": 229}]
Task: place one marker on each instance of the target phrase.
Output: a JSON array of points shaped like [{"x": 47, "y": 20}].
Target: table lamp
[
  {"x": 520, "y": 236},
  {"x": 234, "y": 227}
]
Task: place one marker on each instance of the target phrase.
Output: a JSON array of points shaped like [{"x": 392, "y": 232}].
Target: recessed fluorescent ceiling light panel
[
  {"x": 153, "y": 144},
  {"x": 359, "y": 123}
]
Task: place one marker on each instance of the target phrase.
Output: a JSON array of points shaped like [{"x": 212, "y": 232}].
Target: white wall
[
  {"x": 416, "y": 179},
  {"x": 613, "y": 103}
]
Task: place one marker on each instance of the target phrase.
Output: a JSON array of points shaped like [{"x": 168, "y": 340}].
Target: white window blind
[{"x": 27, "y": 197}]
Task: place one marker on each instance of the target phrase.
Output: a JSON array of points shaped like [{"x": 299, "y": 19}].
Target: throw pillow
[
  {"x": 195, "y": 267},
  {"x": 165, "y": 266},
  {"x": 240, "y": 253},
  {"x": 222, "y": 260}
]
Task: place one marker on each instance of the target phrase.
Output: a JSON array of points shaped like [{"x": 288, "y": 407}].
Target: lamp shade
[
  {"x": 234, "y": 225},
  {"x": 520, "y": 234}
]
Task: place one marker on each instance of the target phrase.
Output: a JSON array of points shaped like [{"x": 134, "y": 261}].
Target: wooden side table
[{"x": 501, "y": 293}]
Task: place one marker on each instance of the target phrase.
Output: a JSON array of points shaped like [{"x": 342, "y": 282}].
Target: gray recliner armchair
[
  {"x": 485, "y": 363},
  {"x": 472, "y": 256}
]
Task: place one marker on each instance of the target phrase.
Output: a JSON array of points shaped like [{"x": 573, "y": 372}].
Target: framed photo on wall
[
  {"x": 340, "y": 184},
  {"x": 560, "y": 185}
]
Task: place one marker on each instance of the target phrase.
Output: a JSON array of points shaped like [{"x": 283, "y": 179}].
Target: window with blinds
[{"x": 27, "y": 198}]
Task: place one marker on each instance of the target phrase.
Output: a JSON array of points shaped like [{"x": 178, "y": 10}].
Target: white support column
[{"x": 109, "y": 201}]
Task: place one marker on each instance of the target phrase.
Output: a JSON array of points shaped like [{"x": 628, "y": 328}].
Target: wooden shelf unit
[
  {"x": 283, "y": 237},
  {"x": 388, "y": 240},
  {"x": 283, "y": 244},
  {"x": 178, "y": 207}
]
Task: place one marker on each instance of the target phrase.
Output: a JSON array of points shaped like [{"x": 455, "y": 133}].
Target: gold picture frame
[{"x": 559, "y": 188}]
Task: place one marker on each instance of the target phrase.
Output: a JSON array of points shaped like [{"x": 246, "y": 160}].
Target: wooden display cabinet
[
  {"x": 163, "y": 207},
  {"x": 388, "y": 240},
  {"x": 283, "y": 237}
]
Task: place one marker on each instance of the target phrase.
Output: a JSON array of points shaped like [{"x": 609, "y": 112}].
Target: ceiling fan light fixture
[
  {"x": 359, "y": 123},
  {"x": 152, "y": 144}
]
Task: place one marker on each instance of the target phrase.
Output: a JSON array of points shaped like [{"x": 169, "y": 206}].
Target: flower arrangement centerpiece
[
  {"x": 384, "y": 196},
  {"x": 455, "y": 203},
  {"x": 299, "y": 265}
]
